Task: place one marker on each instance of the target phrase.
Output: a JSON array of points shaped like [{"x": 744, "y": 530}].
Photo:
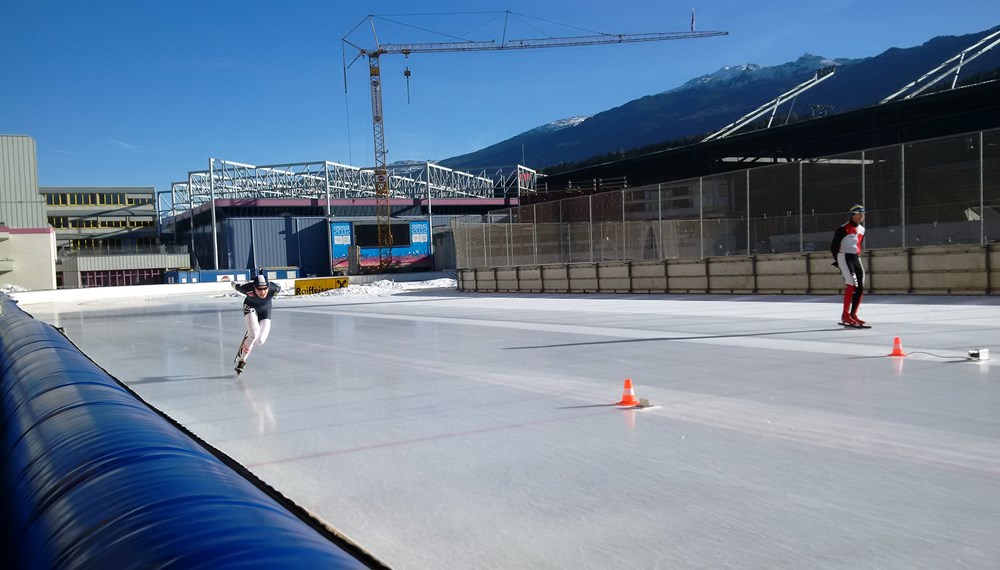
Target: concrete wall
[
  {"x": 27, "y": 243},
  {"x": 932, "y": 270},
  {"x": 28, "y": 257}
]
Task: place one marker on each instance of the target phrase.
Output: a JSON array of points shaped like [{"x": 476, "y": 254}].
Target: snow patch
[
  {"x": 805, "y": 64},
  {"x": 559, "y": 125},
  {"x": 387, "y": 287}
]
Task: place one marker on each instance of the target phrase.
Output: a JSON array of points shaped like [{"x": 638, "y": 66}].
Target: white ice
[{"x": 445, "y": 430}]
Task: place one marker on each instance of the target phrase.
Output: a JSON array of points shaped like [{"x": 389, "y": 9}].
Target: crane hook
[{"x": 406, "y": 74}]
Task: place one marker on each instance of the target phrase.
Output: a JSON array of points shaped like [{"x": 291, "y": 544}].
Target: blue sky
[{"x": 140, "y": 92}]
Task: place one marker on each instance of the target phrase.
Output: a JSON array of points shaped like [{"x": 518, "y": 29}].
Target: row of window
[
  {"x": 63, "y": 222},
  {"x": 96, "y": 199},
  {"x": 121, "y": 277},
  {"x": 112, "y": 244},
  {"x": 94, "y": 243}
]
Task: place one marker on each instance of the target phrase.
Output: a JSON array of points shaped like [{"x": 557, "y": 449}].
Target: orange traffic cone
[
  {"x": 897, "y": 348},
  {"x": 628, "y": 395}
]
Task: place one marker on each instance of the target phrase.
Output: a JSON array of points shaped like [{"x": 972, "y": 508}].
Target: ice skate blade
[{"x": 850, "y": 326}]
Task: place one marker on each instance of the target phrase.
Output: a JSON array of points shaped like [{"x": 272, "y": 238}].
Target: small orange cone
[
  {"x": 897, "y": 348},
  {"x": 628, "y": 395}
]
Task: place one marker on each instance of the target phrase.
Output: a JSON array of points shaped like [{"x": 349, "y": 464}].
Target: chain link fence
[{"x": 935, "y": 192}]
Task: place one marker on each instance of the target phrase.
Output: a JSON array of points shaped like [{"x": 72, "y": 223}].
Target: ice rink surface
[{"x": 445, "y": 430}]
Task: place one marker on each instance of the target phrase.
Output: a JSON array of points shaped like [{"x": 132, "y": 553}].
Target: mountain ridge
[{"x": 706, "y": 103}]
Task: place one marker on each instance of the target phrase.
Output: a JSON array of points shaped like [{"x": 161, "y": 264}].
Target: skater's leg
[
  {"x": 859, "y": 292},
  {"x": 253, "y": 332},
  {"x": 240, "y": 359},
  {"x": 265, "y": 328},
  {"x": 239, "y": 351},
  {"x": 845, "y": 315},
  {"x": 846, "y": 264},
  {"x": 855, "y": 303}
]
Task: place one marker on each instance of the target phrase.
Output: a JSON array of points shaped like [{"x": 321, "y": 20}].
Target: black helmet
[
  {"x": 857, "y": 209},
  {"x": 261, "y": 280}
]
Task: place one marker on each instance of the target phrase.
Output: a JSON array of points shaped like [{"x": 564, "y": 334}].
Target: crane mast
[{"x": 382, "y": 204}]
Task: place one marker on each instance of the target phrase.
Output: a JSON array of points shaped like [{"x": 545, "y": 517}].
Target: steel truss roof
[{"x": 327, "y": 180}]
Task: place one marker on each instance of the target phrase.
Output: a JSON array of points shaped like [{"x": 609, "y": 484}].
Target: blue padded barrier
[{"x": 94, "y": 478}]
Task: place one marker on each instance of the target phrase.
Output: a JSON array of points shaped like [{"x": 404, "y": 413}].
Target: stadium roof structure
[{"x": 325, "y": 180}]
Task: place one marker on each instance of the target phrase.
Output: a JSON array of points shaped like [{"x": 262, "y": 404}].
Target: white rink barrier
[
  {"x": 208, "y": 287},
  {"x": 131, "y": 292}
]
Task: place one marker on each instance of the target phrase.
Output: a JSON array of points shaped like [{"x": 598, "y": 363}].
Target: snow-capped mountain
[
  {"x": 709, "y": 102},
  {"x": 729, "y": 74}
]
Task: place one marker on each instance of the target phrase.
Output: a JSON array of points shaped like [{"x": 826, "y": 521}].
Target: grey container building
[
  {"x": 302, "y": 242},
  {"x": 20, "y": 204}
]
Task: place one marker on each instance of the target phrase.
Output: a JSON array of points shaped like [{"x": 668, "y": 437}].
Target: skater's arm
[
  {"x": 244, "y": 288},
  {"x": 838, "y": 237}
]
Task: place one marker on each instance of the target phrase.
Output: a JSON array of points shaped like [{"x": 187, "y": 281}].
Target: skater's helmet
[
  {"x": 261, "y": 281},
  {"x": 857, "y": 209}
]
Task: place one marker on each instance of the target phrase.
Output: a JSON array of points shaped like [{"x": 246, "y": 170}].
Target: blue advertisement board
[
  {"x": 415, "y": 255},
  {"x": 340, "y": 239}
]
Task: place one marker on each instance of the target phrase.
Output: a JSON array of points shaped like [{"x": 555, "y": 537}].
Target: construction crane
[{"x": 382, "y": 209}]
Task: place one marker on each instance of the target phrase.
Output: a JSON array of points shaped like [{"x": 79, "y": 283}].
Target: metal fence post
[
  {"x": 659, "y": 219},
  {"x": 534, "y": 232},
  {"x": 624, "y": 231},
  {"x": 902, "y": 194},
  {"x": 982, "y": 199},
  {"x": 510, "y": 237},
  {"x": 590, "y": 213},
  {"x": 801, "y": 211},
  {"x": 701, "y": 222},
  {"x": 749, "y": 246},
  {"x": 864, "y": 197}
]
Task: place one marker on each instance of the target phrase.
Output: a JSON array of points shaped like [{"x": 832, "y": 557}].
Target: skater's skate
[
  {"x": 240, "y": 361},
  {"x": 849, "y": 321}
]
